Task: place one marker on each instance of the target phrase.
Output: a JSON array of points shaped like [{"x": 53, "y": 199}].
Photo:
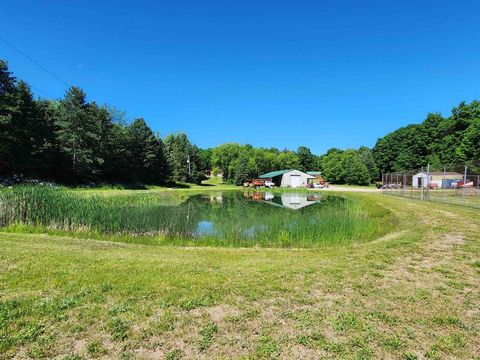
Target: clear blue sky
[{"x": 270, "y": 73}]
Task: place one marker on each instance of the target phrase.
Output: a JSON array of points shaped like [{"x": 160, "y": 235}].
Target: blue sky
[{"x": 269, "y": 73}]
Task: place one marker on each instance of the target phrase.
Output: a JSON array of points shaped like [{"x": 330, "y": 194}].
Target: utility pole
[{"x": 188, "y": 162}]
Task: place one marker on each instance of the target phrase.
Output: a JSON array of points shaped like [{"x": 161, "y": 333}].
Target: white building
[
  {"x": 288, "y": 178},
  {"x": 436, "y": 179}
]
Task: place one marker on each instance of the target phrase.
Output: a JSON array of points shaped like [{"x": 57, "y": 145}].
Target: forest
[{"x": 76, "y": 141}]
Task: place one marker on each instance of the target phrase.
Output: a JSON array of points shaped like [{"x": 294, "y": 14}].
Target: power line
[
  {"x": 36, "y": 63},
  {"x": 36, "y": 88}
]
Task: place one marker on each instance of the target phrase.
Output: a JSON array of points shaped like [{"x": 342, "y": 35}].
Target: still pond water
[{"x": 232, "y": 218}]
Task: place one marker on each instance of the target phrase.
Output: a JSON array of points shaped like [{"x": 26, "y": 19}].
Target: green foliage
[
  {"x": 366, "y": 155},
  {"x": 146, "y": 149},
  {"x": 77, "y": 135},
  {"x": 22, "y": 129},
  {"x": 76, "y": 141},
  {"x": 306, "y": 159},
  {"x": 73, "y": 140},
  {"x": 224, "y": 157},
  {"x": 437, "y": 141},
  {"x": 238, "y": 162},
  {"x": 347, "y": 166},
  {"x": 187, "y": 162}
]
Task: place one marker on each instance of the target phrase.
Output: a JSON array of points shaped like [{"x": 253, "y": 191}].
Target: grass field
[
  {"x": 471, "y": 197},
  {"x": 414, "y": 293}
]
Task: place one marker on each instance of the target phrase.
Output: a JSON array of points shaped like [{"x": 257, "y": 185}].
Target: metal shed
[
  {"x": 288, "y": 178},
  {"x": 437, "y": 179}
]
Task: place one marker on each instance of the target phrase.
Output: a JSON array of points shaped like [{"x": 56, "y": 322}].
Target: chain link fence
[{"x": 458, "y": 185}]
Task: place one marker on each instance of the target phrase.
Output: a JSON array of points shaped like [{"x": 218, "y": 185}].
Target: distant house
[
  {"x": 436, "y": 179},
  {"x": 288, "y": 178}
]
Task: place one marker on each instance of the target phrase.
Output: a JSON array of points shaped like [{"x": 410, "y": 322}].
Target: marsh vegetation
[{"x": 229, "y": 218}]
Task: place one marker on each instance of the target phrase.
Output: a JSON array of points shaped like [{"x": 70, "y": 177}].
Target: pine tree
[
  {"x": 148, "y": 162},
  {"x": 305, "y": 158},
  {"x": 182, "y": 156},
  {"x": 26, "y": 130},
  {"x": 77, "y": 135},
  {"x": 7, "y": 93}
]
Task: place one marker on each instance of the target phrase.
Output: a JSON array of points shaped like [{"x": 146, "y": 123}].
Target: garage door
[{"x": 294, "y": 180}]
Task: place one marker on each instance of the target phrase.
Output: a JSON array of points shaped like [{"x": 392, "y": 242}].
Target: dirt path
[{"x": 352, "y": 189}]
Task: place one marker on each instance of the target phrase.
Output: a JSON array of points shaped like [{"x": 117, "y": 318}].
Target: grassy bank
[{"x": 411, "y": 294}]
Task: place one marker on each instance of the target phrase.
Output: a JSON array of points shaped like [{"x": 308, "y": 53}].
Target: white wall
[
  {"x": 417, "y": 177},
  {"x": 303, "y": 178}
]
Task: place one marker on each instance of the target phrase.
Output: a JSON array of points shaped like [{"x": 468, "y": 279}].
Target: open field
[
  {"x": 471, "y": 197},
  {"x": 414, "y": 293}
]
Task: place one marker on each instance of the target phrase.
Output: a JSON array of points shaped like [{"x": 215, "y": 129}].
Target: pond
[{"x": 232, "y": 218}]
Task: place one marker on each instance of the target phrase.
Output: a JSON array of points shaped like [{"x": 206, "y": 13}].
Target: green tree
[
  {"x": 437, "y": 141},
  {"x": 24, "y": 130},
  {"x": 77, "y": 134},
  {"x": 306, "y": 159},
  {"x": 367, "y": 157},
  {"x": 354, "y": 170},
  {"x": 182, "y": 157},
  {"x": 345, "y": 167},
  {"x": 7, "y": 94},
  {"x": 469, "y": 148},
  {"x": 223, "y": 157},
  {"x": 242, "y": 170},
  {"x": 205, "y": 159},
  {"x": 288, "y": 160},
  {"x": 331, "y": 164},
  {"x": 146, "y": 149}
]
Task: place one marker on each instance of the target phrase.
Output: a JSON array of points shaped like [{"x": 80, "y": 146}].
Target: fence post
[
  {"x": 443, "y": 184},
  {"x": 423, "y": 180},
  {"x": 411, "y": 186},
  {"x": 429, "y": 182},
  {"x": 464, "y": 182}
]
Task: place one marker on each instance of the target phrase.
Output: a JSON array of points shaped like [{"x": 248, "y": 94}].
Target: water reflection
[
  {"x": 204, "y": 228},
  {"x": 237, "y": 216},
  {"x": 292, "y": 201}
]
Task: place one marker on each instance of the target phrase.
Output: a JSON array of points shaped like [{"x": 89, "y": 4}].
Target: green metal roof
[
  {"x": 273, "y": 174},
  {"x": 314, "y": 172}
]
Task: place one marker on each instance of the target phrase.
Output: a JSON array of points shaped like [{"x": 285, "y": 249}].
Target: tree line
[
  {"x": 75, "y": 141},
  {"x": 438, "y": 141}
]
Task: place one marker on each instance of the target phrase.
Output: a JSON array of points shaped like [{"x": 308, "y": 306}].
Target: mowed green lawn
[{"x": 414, "y": 293}]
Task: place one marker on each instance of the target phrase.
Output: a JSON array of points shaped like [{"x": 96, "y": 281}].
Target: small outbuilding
[
  {"x": 436, "y": 179},
  {"x": 288, "y": 178}
]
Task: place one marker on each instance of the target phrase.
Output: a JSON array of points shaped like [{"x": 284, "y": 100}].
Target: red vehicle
[{"x": 257, "y": 183}]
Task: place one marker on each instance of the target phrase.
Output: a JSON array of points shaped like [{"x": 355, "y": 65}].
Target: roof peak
[{"x": 272, "y": 174}]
